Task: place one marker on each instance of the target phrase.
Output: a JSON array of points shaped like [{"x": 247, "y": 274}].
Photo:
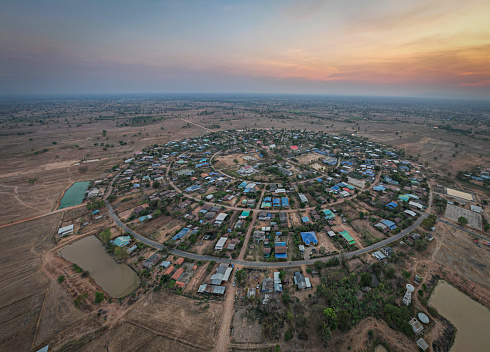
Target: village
[{"x": 263, "y": 213}]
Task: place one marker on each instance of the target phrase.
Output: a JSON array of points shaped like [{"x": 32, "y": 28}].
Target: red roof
[
  {"x": 294, "y": 147},
  {"x": 179, "y": 261},
  {"x": 169, "y": 270},
  {"x": 177, "y": 274},
  {"x": 179, "y": 284},
  {"x": 281, "y": 249}
]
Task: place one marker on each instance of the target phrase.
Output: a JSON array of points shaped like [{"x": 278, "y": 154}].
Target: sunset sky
[{"x": 360, "y": 47}]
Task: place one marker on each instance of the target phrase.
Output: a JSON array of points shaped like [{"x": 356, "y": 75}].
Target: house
[
  {"x": 281, "y": 250},
  {"x": 263, "y": 216},
  {"x": 268, "y": 285},
  {"x": 328, "y": 214},
  {"x": 258, "y": 236},
  {"x": 345, "y": 235},
  {"x": 245, "y": 214},
  {"x": 299, "y": 280},
  {"x": 277, "y": 282},
  {"x": 388, "y": 251},
  {"x": 285, "y": 202},
  {"x": 411, "y": 213},
  {"x": 151, "y": 261},
  {"x": 302, "y": 198},
  {"x": 267, "y": 252},
  {"x": 390, "y": 224},
  {"x": 232, "y": 245},
  {"x": 181, "y": 234},
  {"x": 305, "y": 220},
  {"x": 309, "y": 237},
  {"x": 169, "y": 270},
  {"x": 416, "y": 205},
  {"x": 379, "y": 255},
  {"x": 176, "y": 276},
  {"x": 122, "y": 241},
  {"x": 283, "y": 218},
  {"x": 392, "y": 205},
  {"x": 65, "y": 231},
  {"x": 220, "y": 218},
  {"x": 221, "y": 244}
]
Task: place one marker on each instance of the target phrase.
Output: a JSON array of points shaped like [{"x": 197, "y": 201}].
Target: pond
[
  {"x": 470, "y": 318},
  {"x": 118, "y": 280},
  {"x": 74, "y": 195}
]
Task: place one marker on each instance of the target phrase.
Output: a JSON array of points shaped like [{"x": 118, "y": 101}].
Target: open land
[{"x": 45, "y": 148}]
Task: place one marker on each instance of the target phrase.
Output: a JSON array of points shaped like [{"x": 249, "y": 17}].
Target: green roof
[
  {"x": 246, "y": 213},
  {"x": 347, "y": 237}
]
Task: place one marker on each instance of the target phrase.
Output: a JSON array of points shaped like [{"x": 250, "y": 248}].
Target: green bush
[{"x": 99, "y": 297}]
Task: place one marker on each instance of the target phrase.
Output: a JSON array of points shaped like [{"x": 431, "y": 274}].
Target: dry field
[
  {"x": 24, "y": 289},
  {"x": 163, "y": 319},
  {"x": 306, "y": 159},
  {"x": 35, "y": 310}
]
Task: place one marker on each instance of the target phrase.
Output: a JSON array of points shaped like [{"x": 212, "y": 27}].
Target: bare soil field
[
  {"x": 306, "y": 159},
  {"x": 358, "y": 339},
  {"x": 226, "y": 161},
  {"x": 23, "y": 286},
  {"x": 246, "y": 329},
  {"x": 36, "y": 308}
]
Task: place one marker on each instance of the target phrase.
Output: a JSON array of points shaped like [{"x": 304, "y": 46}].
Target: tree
[
  {"x": 241, "y": 275},
  {"x": 61, "y": 279},
  {"x": 344, "y": 320},
  {"x": 330, "y": 318},
  {"x": 105, "y": 236},
  {"x": 421, "y": 244},
  {"x": 390, "y": 273},
  {"x": 462, "y": 221},
  {"x": 366, "y": 279},
  {"x": 318, "y": 265},
  {"x": 99, "y": 297},
  {"x": 361, "y": 215},
  {"x": 121, "y": 253},
  {"x": 282, "y": 275},
  {"x": 326, "y": 333},
  {"x": 286, "y": 298}
]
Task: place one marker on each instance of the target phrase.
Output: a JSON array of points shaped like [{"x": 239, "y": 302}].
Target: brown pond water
[
  {"x": 118, "y": 280},
  {"x": 471, "y": 319}
]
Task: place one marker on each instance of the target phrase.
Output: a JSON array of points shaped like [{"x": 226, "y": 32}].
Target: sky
[{"x": 355, "y": 47}]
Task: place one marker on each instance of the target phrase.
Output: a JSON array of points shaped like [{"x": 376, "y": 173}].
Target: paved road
[{"x": 260, "y": 264}]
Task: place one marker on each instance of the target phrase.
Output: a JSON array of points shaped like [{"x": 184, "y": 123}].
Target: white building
[{"x": 221, "y": 243}]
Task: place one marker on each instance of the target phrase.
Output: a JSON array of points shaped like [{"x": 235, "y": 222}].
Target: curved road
[{"x": 248, "y": 264}]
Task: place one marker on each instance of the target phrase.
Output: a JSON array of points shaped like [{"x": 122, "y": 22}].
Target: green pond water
[{"x": 74, "y": 195}]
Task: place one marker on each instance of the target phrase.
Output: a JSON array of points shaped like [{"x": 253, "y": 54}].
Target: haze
[{"x": 316, "y": 47}]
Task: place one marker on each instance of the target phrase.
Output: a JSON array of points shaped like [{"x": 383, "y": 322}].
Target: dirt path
[
  {"x": 223, "y": 342},
  {"x": 40, "y": 216},
  {"x": 195, "y": 124}
]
